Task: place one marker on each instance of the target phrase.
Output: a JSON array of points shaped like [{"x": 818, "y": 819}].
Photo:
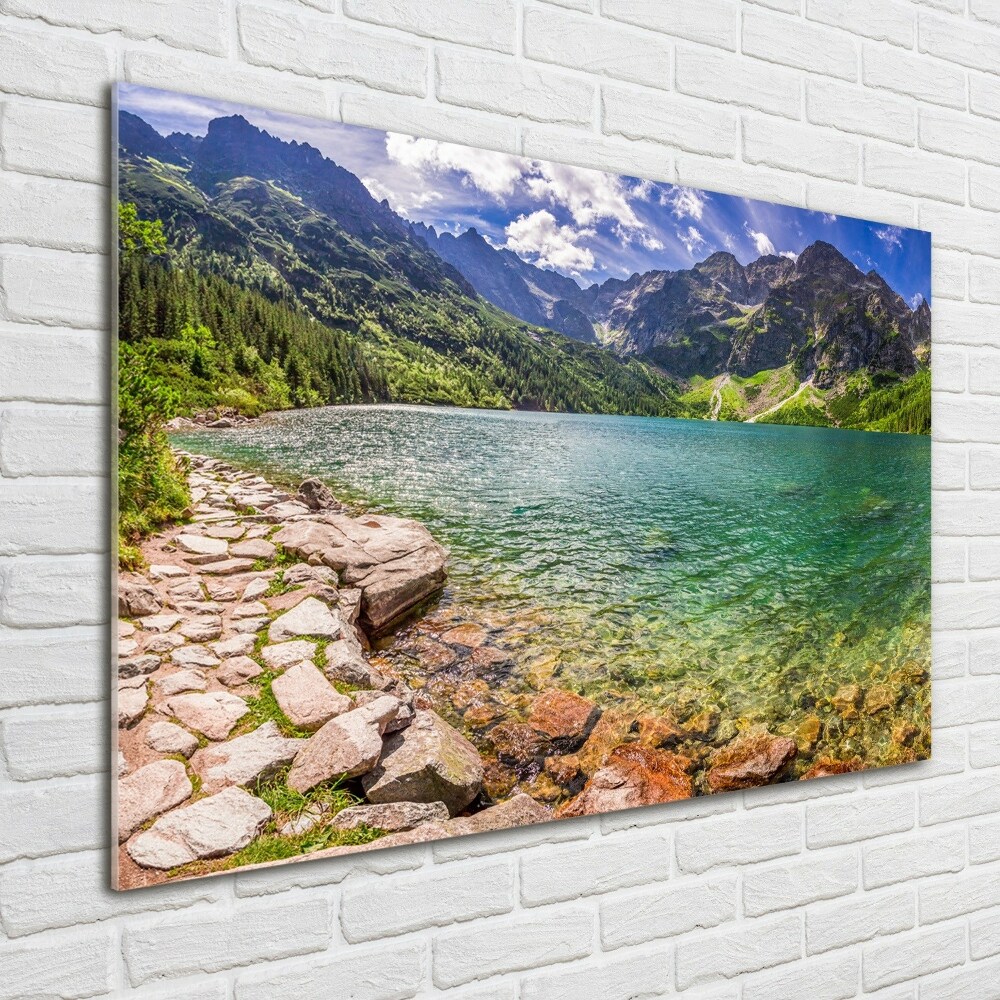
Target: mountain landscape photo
[{"x": 459, "y": 490}]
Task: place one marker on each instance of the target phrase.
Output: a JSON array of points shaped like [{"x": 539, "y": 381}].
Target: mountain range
[{"x": 806, "y": 340}]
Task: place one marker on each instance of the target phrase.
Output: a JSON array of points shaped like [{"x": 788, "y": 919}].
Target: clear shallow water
[{"x": 758, "y": 567}]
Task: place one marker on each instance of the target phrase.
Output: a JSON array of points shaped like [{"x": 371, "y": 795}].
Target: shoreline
[{"x": 531, "y": 758}]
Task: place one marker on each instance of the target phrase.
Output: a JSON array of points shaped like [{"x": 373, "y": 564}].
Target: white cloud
[
  {"x": 492, "y": 173},
  {"x": 915, "y": 300},
  {"x": 891, "y": 237},
  {"x": 790, "y": 254},
  {"x": 642, "y": 190},
  {"x": 761, "y": 241},
  {"x": 405, "y": 203},
  {"x": 539, "y": 238},
  {"x": 684, "y": 202},
  {"x": 828, "y": 218},
  {"x": 588, "y": 195},
  {"x": 692, "y": 239}
]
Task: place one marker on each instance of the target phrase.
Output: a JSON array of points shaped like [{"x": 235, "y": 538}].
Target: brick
[
  {"x": 42, "y": 592},
  {"x": 668, "y": 813},
  {"x": 221, "y": 78},
  {"x": 984, "y": 654},
  {"x": 58, "y": 965},
  {"x": 975, "y": 980},
  {"x": 971, "y": 797},
  {"x": 859, "y": 202},
  {"x": 923, "y": 175},
  {"x": 949, "y": 370},
  {"x": 491, "y": 947},
  {"x": 959, "y": 136},
  {"x": 594, "y": 46},
  {"x": 796, "y": 883},
  {"x": 984, "y": 936},
  {"x": 948, "y": 280},
  {"x": 915, "y": 857},
  {"x": 67, "y": 892},
  {"x": 951, "y": 704},
  {"x": 834, "y": 978},
  {"x": 400, "y": 114},
  {"x": 906, "y": 73},
  {"x": 517, "y": 839},
  {"x": 269, "y": 37},
  {"x": 984, "y": 467},
  {"x": 961, "y": 229},
  {"x": 958, "y": 323},
  {"x": 199, "y": 24},
  {"x": 673, "y": 121},
  {"x": 800, "y": 148},
  {"x": 860, "y": 918},
  {"x": 598, "y": 152},
  {"x": 984, "y": 559},
  {"x": 50, "y": 365},
  {"x": 81, "y": 73},
  {"x": 960, "y": 42},
  {"x": 548, "y": 876},
  {"x": 909, "y": 956},
  {"x": 171, "y": 947},
  {"x": 630, "y": 919},
  {"x": 356, "y": 972},
  {"x": 488, "y": 26},
  {"x": 43, "y": 517},
  {"x": 55, "y": 140},
  {"x": 948, "y": 559},
  {"x": 51, "y": 818},
  {"x": 754, "y": 945},
  {"x": 55, "y": 743},
  {"x": 427, "y": 899},
  {"x": 799, "y": 44},
  {"x": 42, "y": 439},
  {"x": 984, "y": 280},
  {"x": 881, "y": 20},
  {"x": 984, "y": 95},
  {"x": 949, "y": 656},
  {"x": 740, "y": 839},
  {"x": 984, "y": 842},
  {"x": 855, "y": 109},
  {"x": 728, "y": 79},
  {"x": 54, "y": 288},
  {"x": 985, "y": 10},
  {"x": 948, "y": 898},
  {"x": 751, "y": 182},
  {"x": 634, "y": 975},
  {"x": 976, "y": 602},
  {"x": 984, "y": 187},
  {"x": 512, "y": 88},
  {"x": 948, "y": 465},
  {"x": 984, "y": 747},
  {"x": 713, "y": 22},
  {"x": 52, "y": 666}
]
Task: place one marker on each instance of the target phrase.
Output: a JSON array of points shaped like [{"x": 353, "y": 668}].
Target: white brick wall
[{"x": 886, "y": 885}]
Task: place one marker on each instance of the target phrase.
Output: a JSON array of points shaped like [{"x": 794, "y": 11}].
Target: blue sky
[{"x": 583, "y": 223}]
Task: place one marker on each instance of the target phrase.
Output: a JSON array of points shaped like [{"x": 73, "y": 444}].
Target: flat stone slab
[
  {"x": 202, "y": 545},
  {"x": 209, "y": 828},
  {"x": 228, "y": 531},
  {"x": 182, "y": 680},
  {"x": 238, "y": 670},
  {"x": 310, "y": 617},
  {"x": 236, "y": 645},
  {"x": 194, "y": 656},
  {"x": 202, "y": 629},
  {"x": 132, "y": 702},
  {"x": 214, "y": 714},
  {"x": 287, "y": 654},
  {"x": 246, "y": 759},
  {"x": 151, "y": 790},
  {"x": 254, "y": 548},
  {"x": 307, "y": 697},
  {"x": 250, "y": 626},
  {"x": 137, "y": 599},
  {"x": 428, "y": 761},
  {"x": 165, "y": 643},
  {"x": 159, "y": 623},
  {"x": 168, "y": 737},
  {"x": 136, "y": 666},
  {"x": 255, "y": 588},
  {"x": 250, "y": 609},
  {"x": 167, "y": 571},
  {"x": 391, "y": 816},
  {"x": 228, "y": 567}
]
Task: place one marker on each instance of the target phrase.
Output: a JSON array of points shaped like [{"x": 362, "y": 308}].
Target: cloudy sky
[{"x": 584, "y": 223}]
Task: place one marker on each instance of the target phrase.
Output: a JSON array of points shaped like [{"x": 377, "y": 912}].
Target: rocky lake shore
[{"x": 288, "y": 689}]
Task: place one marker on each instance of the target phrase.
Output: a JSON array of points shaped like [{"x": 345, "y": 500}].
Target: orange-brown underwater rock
[
  {"x": 750, "y": 760},
  {"x": 827, "y": 767},
  {"x": 633, "y": 775},
  {"x": 564, "y": 717}
]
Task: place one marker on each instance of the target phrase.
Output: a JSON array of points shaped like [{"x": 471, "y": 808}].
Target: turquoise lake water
[{"x": 759, "y": 566}]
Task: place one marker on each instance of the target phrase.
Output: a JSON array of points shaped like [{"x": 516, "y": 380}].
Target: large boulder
[
  {"x": 756, "y": 758},
  {"x": 316, "y": 495},
  {"x": 347, "y": 746},
  {"x": 307, "y": 698},
  {"x": 633, "y": 775},
  {"x": 209, "y": 828},
  {"x": 151, "y": 790},
  {"x": 246, "y": 759},
  {"x": 565, "y": 718},
  {"x": 137, "y": 599},
  {"x": 429, "y": 761},
  {"x": 393, "y": 561}
]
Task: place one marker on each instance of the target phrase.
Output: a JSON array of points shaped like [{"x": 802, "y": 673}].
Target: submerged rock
[
  {"x": 565, "y": 718},
  {"x": 429, "y": 761},
  {"x": 827, "y": 767},
  {"x": 753, "y": 759},
  {"x": 633, "y": 775},
  {"x": 209, "y": 828}
]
